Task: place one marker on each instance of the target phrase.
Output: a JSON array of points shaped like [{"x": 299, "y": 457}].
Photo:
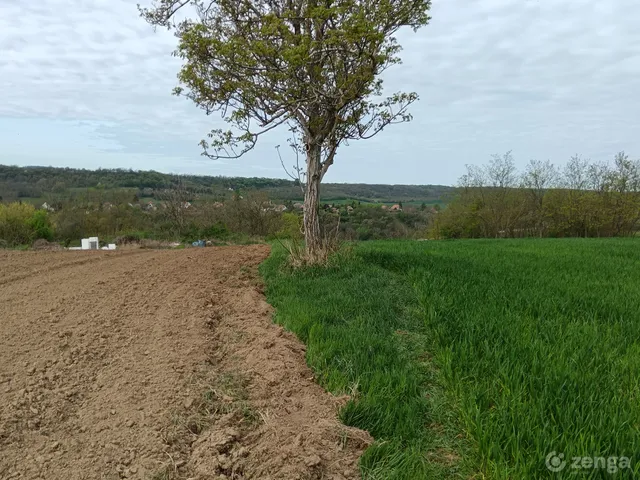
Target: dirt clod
[{"x": 312, "y": 461}]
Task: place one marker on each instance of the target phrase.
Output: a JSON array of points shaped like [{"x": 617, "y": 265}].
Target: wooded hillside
[{"x": 36, "y": 182}]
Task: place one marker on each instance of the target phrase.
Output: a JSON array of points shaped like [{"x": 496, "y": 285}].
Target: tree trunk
[{"x": 312, "y": 232}]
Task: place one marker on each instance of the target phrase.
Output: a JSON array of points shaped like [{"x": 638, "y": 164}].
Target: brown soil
[{"x": 157, "y": 364}]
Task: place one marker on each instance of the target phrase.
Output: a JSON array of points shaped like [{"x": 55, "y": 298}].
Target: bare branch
[{"x": 296, "y": 168}]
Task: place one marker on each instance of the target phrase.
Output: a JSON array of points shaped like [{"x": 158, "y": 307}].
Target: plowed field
[{"x": 157, "y": 364}]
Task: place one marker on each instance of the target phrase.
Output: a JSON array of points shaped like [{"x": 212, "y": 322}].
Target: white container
[
  {"x": 112, "y": 246},
  {"x": 85, "y": 244},
  {"x": 93, "y": 243}
]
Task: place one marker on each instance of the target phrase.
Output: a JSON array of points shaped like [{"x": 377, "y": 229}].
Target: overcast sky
[{"x": 87, "y": 83}]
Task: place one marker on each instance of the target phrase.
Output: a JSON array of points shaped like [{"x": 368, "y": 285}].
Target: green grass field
[{"x": 476, "y": 359}]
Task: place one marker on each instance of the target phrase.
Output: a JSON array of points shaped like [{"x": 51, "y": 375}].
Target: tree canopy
[{"x": 312, "y": 64}]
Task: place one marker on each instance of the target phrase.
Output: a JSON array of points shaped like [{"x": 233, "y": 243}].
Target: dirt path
[{"x": 157, "y": 364}]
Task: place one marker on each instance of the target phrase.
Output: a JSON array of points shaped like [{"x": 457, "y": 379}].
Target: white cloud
[
  {"x": 94, "y": 60},
  {"x": 545, "y": 78}
]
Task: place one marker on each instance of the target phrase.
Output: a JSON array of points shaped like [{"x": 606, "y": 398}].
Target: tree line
[
  {"x": 582, "y": 199},
  {"x": 29, "y": 182},
  {"x": 42, "y": 182}
]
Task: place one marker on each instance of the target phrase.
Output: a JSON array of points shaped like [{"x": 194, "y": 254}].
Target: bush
[
  {"x": 252, "y": 214},
  {"x": 291, "y": 226},
  {"x": 217, "y": 230},
  {"x": 21, "y": 223},
  {"x": 41, "y": 225},
  {"x": 127, "y": 239},
  {"x": 70, "y": 224}
]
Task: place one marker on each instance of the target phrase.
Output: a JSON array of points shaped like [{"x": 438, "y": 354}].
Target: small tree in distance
[
  {"x": 175, "y": 199},
  {"x": 312, "y": 65}
]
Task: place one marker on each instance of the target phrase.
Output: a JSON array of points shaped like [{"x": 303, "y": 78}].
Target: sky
[{"x": 88, "y": 83}]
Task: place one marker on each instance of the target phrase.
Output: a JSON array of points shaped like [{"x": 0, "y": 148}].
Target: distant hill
[{"x": 34, "y": 183}]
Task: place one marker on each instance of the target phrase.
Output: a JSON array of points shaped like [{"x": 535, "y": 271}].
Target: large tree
[{"x": 311, "y": 65}]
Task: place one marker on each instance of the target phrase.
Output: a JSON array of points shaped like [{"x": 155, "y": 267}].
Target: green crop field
[{"x": 477, "y": 359}]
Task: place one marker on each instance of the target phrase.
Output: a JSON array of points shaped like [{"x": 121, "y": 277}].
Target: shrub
[
  {"x": 129, "y": 238},
  {"x": 252, "y": 214},
  {"x": 291, "y": 226},
  {"x": 41, "y": 225},
  {"x": 16, "y": 223},
  {"x": 217, "y": 230}
]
